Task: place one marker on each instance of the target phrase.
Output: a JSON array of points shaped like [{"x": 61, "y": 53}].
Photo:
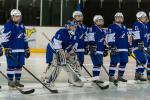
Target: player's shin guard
[
  {"x": 18, "y": 72},
  {"x": 121, "y": 72},
  {"x": 96, "y": 71},
  {"x": 139, "y": 69},
  {"x": 112, "y": 69},
  {"x": 10, "y": 74}
]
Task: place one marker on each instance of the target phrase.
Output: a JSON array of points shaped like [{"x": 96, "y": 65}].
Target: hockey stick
[
  {"x": 53, "y": 91},
  {"x": 20, "y": 90},
  {"x": 138, "y": 62},
  {"x": 115, "y": 82},
  {"x": 101, "y": 87}
]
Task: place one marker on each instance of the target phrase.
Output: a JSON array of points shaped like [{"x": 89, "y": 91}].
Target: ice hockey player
[
  {"x": 148, "y": 49},
  {"x": 16, "y": 47},
  {"x": 118, "y": 44},
  {"x": 139, "y": 44},
  {"x": 57, "y": 54},
  {"x": 80, "y": 35},
  {"x": 97, "y": 45}
]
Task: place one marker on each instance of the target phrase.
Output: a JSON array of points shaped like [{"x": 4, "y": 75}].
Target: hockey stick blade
[
  {"x": 52, "y": 91},
  {"x": 101, "y": 87},
  {"x": 20, "y": 90}
]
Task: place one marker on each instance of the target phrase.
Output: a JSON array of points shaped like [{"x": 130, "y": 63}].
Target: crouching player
[
  {"x": 140, "y": 44},
  {"x": 16, "y": 47},
  {"x": 58, "y": 51},
  {"x": 97, "y": 46},
  {"x": 118, "y": 43}
]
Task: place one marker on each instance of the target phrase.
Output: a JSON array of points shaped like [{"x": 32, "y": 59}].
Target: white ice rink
[{"x": 36, "y": 64}]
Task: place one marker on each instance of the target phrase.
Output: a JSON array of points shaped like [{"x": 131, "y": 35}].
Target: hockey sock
[
  {"x": 96, "y": 71},
  {"x": 10, "y": 74},
  {"x": 112, "y": 69},
  {"x": 140, "y": 69},
  {"x": 121, "y": 69},
  {"x": 18, "y": 74}
]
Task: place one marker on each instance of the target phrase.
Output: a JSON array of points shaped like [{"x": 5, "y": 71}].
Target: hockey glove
[
  {"x": 106, "y": 49},
  {"x": 129, "y": 50},
  {"x": 148, "y": 49},
  {"x": 27, "y": 53},
  {"x": 1, "y": 51},
  {"x": 8, "y": 52},
  {"x": 113, "y": 50},
  {"x": 86, "y": 50},
  {"x": 92, "y": 49},
  {"x": 141, "y": 45}
]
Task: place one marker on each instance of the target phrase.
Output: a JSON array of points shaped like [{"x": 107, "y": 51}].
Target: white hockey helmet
[
  {"x": 77, "y": 13},
  {"x": 119, "y": 14},
  {"x": 97, "y": 17},
  {"x": 140, "y": 14},
  {"x": 15, "y": 12}
]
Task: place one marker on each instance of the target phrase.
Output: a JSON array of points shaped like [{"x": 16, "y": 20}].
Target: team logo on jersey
[
  {"x": 29, "y": 32},
  {"x": 123, "y": 35}
]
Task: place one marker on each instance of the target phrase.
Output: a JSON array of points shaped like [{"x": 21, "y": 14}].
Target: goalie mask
[{"x": 71, "y": 26}]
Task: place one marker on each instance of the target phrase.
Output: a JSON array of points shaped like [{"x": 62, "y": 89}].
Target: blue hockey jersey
[
  {"x": 118, "y": 36},
  {"x": 62, "y": 40},
  {"x": 96, "y": 36},
  {"x": 148, "y": 29},
  {"x": 139, "y": 32},
  {"x": 80, "y": 37},
  {"x": 14, "y": 36}
]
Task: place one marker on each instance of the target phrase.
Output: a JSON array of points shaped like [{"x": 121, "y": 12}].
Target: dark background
[{"x": 51, "y": 10}]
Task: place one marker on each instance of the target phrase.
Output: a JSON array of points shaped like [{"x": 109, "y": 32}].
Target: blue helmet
[{"x": 70, "y": 23}]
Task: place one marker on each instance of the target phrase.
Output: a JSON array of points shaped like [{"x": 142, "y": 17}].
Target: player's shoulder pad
[
  {"x": 112, "y": 26},
  {"x": 62, "y": 31},
  {"x": 8, "y": 24}
]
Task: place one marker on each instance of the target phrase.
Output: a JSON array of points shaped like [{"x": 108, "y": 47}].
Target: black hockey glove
[
  {"x": 113, "y": 50},
  {"x": 92, "y": 49},
  {"x": 106, "y": 49},
  {"x": 8, "y": 52},
  {"x": 86, "y": 52},
  {"x": 148, "y": 49},
  {"x": 1, "y": 51},
  {"x": 141, "y": 45},
  {"x": 27, "y": 53},
  {"x": 129, "y": 50}
]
